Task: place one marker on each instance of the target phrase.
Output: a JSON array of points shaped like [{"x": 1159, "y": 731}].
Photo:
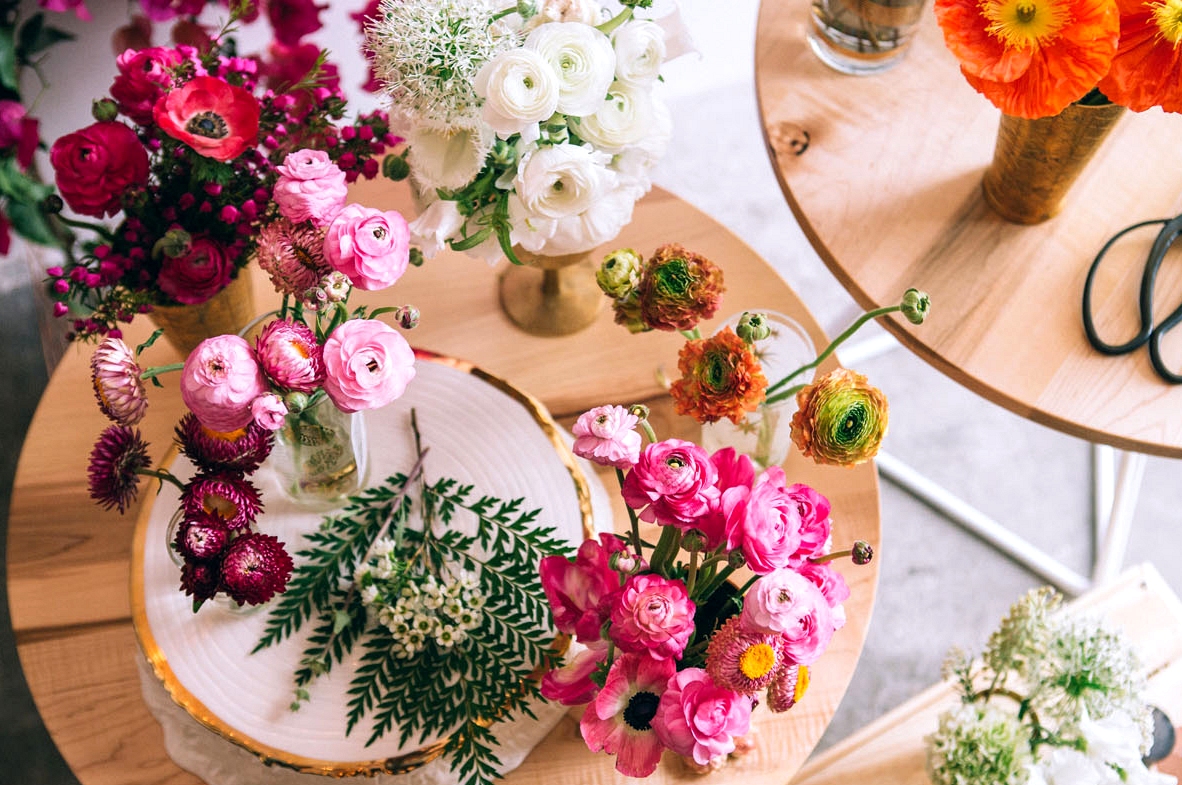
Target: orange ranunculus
[
  {"x": 720, "y": 377},
  {"x": 1031, "y": 58},
  {"x": 1147, "y": 69}
]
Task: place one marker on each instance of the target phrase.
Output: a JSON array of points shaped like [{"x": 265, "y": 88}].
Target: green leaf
[
  {"x": 341, "y": 620},
  {"x": 155, "y": 336},
  {"x": 30, "y": 224},
  {"x": 471, "y": 241},
  {"x": 18, "y": 186},
  {"x": 8, "y": 76},
  {"x": 35, "y": 36}
]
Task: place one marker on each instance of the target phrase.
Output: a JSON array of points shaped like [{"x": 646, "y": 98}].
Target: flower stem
[
  {"x": 98, "y": 229},
  {"x": 607, "y": 27},
  {"x": 849, "y": 331},
  {"x": 631, "y": 517},
  {"x": 163, "y": 475},
  {"x": 666, "y": 549},
  {"x": 649, "y": 432},
  {"x": 153, "y": 372},
  {"x": 693, "y": 573},
  {"x": 783, "y": 395}
]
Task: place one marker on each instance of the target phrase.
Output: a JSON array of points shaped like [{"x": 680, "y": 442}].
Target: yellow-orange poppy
[{"x": 1147, "y": 69}]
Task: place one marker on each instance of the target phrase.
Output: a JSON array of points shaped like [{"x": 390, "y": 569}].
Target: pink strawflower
[
  {"x": 220, "y": 380},
  {"x": 580, "y": 593},
  {"x": 815, "y": 525},
  {"x": 607, "y": 435},
  {"x": 202, "y": 536},
  {"x": 763, "y": 521},
  {"x": 227, "y": 495},
  {"x": 269, "y": 411},
  {"x": 743, "y": 660},
  {"x": 115, "y": 462},
  {"x": 118, "y": 387},
  {"x": 144, "y": 76},
  {"x": 242, "y": 450},
  {"x": 370, "y": 246},
  {"x": 292, "y": 255},
  {"x": 619, "y": 720},
  {"x": 832, "y": 585},
  {"x": 255, "y": 568},
  {"x": 571, "y": 685},
  {"x": 674, "y": 482},
  {"x": 200, "y": 580},
  {"x": 699, "y": 719},
  {"x": 367, "y": 364},
  {"x": 788, "y": 604},
  {"x": 654, "y": 616},
  {"x": 310, "y": 187},
  {"x": 290, "y": 356},
  {"x": 788, "y": 687}
]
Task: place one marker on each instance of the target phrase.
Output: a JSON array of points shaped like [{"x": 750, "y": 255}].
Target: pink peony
[
  {"x": 619, "y": 720},
  {"x": 674, "y": 481},
  {"x": 580, "y": 593},
  {"x": 367, "y": 365},
  {"x": 144, "y": 76},
  {"x": 268, "y": 411},
  {"x": 653, "y": 615},
  {"x": 571, "y": 684},
  {"x": 310, "y": 187},
  {"x": 370, "y": 246},
  {"x": 198, "y": 274},
  {"x": 764, "y": 522},
  {"x": 96, "y": 166},
  {"x": 698, "y": 719},
  {"x": 18, "y": 131},
  {"x": 815, "y": 525},
  {"x": 220, "y": 381},
  {"x": 787, "y": 603},
  {"x": 607, "y": 435},
  {"x": 290, "y": 356}
]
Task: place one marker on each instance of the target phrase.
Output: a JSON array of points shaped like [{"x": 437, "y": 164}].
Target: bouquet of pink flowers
[
  {"x": 239, "y": 393},
  {"x": 676, "y": 654}
]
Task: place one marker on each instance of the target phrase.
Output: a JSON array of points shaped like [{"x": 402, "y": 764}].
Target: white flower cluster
[{"x": 420, "y": 608}]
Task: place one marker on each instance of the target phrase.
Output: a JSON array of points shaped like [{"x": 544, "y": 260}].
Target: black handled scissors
[{"x": 1149, "y": 333}]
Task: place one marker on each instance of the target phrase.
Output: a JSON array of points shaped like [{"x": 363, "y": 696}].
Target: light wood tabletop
[
  {"x": 888, "y": 190},
  {"x": 68, "y": 561}
]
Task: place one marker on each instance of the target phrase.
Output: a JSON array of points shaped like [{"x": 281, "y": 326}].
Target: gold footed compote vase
[{"x": 551, "y": 295}]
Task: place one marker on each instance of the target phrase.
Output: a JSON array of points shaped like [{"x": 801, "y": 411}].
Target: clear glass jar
[{"x": 320, "y": 455}]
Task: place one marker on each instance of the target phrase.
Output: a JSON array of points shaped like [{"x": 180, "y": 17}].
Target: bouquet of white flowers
[{"x": 529, "y": 124}]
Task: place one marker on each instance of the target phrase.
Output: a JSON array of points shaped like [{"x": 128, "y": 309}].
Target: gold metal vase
[
  {"x": 226, "y": 312},
  {"x": 1035, "y": 162},
  {"x": 551, "y": 295}
]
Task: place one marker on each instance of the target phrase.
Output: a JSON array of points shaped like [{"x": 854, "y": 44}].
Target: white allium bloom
[
  {"x": 559, "y": 181},
  {"x": 448, "y": 159},
  {"x": 519, "y": 89},
  {"x": 640, "y": 51},
  {"x": 625, "y": 119},
  {"x": 583, "y": 60},
  {"x": 588, "y": 12},
  {"x": 437, "y": 224}
]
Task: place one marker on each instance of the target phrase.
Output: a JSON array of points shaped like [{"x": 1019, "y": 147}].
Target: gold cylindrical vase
[
  {"x": 226, "y": 312},
  {"x": 1035, "y": 162},
  {"x": 552, "y": 295}
]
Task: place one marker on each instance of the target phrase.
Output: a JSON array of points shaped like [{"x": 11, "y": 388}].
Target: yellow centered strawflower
[
  {"x": 802, "y": 682},
  {"x": 1168, "y": 16},
  {"x": 1024, "y": 24},
  {"x": 757, "y": 660}
]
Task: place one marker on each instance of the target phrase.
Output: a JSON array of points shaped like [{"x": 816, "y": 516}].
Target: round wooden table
[
  {"x": 68, "y": 561},
  {"x": 888, "y": 190}
]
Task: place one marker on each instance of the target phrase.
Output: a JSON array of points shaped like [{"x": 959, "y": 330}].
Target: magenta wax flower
[
  {"x": 290, "y": 356},
  {"x": 815, "y": 525},
  {"x": 230, "y": 497},
  {"x": 607, "y": 435},
  {"x": 674, "y": 481},
  {"x": 292, "y": 255},
  {"x": 202, "y": 536},
  {"x": 269, "y": 411},
  {"x": 219, "y": 382},
  {"x": 764, "y": 522},
  {"x": 310, "y": 187},
  {"x": 115, "y": 463},
  {"x": 242, "y": 450},
  {"x": 200, "y": 580},
  {"x": 571, "y": 685},
  {"x": 654, "y": 616},
  {"x": 580, "y": 592},
  {"x": 698, "y": 719},
  {"x": 370, "y": 246},
  {"x": 788, "y": 604},
  {"x": 255, "y": 568},
  {"x": 144, "y": 76},
  {"x": 118, "y": 387},
  {"x": 620, "y": 719},
  {"x": 367, "y": 364},
  {"x": 198, "y": 274}
]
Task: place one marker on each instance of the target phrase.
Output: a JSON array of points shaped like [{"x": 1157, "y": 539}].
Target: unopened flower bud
[
  {"x": 915, "y": 305},
  {"x": 639, "y": 411},
  {"x": 619, "y": 274},
  {"x": 52, "y": 204},
  {"x": 395, "y": 167},
  {"x": 526, "y": 9},
  {"x": 693, "y": 541},
  {"x": 174, "y": 243},
  {"x": 416, "y": 257},
  {"x": 296, "y": 401},
  {"x": 623, "y": 562},
  {"x": 862, "y": 552},
  {"x": 407, "y": 316},
  {"x": 753, "y": 327},
  {"x": 104, "y": 110},
  {"x": 735, "y": 559},
  {"x": 336, "y": 286},
  {"x": 314, "y": 299}
]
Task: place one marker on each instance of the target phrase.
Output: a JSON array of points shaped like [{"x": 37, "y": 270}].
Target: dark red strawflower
[
  {"x": 225, "y": 495},
  {"x": 255, "y": 568},
  {"x": 200, "y": 580},
  {"x": 118, "y": 456},
  {"x": 217, "y": 119},
  {"x": 202, "y": 537},
  {"x": 243, "y": 450}
]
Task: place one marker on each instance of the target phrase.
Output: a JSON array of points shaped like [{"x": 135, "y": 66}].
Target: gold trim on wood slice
[{"x": 268, "y": 755}]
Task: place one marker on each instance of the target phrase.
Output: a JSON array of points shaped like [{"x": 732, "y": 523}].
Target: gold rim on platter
[{"x": 267, "y": 754}]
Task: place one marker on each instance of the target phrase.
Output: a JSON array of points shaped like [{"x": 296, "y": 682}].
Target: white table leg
[
  {"x": 1103, "y": 485},
  {"x": 1110, "y": 554}
]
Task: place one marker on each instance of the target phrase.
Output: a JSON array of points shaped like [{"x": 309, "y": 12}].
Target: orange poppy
[
  {"x": 1031, "y": 58},
  {"x": 1147, "y": 69}
]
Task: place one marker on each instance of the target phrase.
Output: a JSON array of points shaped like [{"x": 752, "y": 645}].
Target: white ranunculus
[
  {"x": 554, "y": 182},
  {"x": 1067, "y": 766},
  {"x": 623, "y": 120},
  {"x": 598, "y": 224},
  {"x": 447, "y": 159},
  {"x": 1113, "y": 739},
  {"x": 677, "y": 36},
  {"x": 640, "y": 50},
  {"x": 638, "y": 160},
  {"x": 583, "y": 60},
  {"x": 519, "y": 89},
  {"x": 588, "y": 12},
  {"x": 435, "y": 226}
]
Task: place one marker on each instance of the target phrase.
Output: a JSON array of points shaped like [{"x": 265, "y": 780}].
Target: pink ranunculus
[
  {"x": 220, "y": 381},
  {"x": 676, "y": 480},
  {"x": 735, "y": 470},
  {"x": 788, "y": 603},
  {"x": 815, "y": 525},
  {"x": 764, "y": 522},
  {"x": 698, "y": 719},
  {"x": 370, "y": 246},
  {"x": 268, "y": 411},
  {"x": 832, "y": 586},
  {"x": 19, "y": 131},
  {"x": 653, "y": 615},
  {"x": 144, "y": 76},
  {"x": 607, "y": 435},
  {"x": 619, "y": 720},
  {"x": 310, "y": 187},
  {"x": 291, "y": 20},
  {"x": 367, "y": 364},
  {"x": 95, "y": 166},
  {"x": 571, "y": 685},
  {"x": 580, "y": 592},
  {"x": 290, "y": 355},
  {"x": 200, "y": 273}
]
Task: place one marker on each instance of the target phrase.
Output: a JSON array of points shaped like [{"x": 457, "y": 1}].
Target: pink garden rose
[
  {"x": 787, "y": 603},
  {"x": 370, "y": 246},
  {"x": 815, "y": 525},
  {"x": 571, "y": 684},
  {"x": 674, "y": 481},
  {"x": 310, "y": 187},
  {"x": 763, "y": 521},
  {"x": 367, "y": 364},
  {"x": 268, "y": 411},
  {"x": 198, "y": 274},
  {"x": 653, "y": 615},
  {"x": 580, "y": 593},
  {"x": 220, "y": 381},
  {"x": 698, "y": 719},
  {"x": 619, "y": 720},
  {"x": 96, "y": 166},
  {"x": 290, "y": 355},
  {"x": 607, "y": 435},
  {"x": 144, "y": 76}
]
